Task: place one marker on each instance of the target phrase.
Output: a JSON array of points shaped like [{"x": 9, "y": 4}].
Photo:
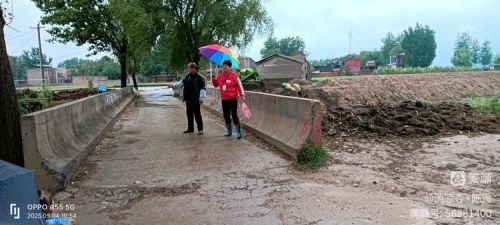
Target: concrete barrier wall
[
  {"x": 285, "y": 122},
  {"x": 58, "y": 139}
]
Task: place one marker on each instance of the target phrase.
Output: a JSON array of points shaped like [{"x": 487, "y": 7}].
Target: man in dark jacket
[{"x": 194, "y": 95}]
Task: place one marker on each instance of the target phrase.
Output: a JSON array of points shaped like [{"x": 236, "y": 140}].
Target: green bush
[
  {"x": 47, "y": 95},
  {"x": 90, "y": 86},
  {"x": 312, "y": 157},
  {"x": 28, "y": 105},
  {"x": 249, "y": 74},
  {"x": 489, "y": 104}
]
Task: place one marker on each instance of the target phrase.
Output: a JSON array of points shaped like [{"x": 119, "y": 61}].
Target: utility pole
[{"x": 40, "y": 54}]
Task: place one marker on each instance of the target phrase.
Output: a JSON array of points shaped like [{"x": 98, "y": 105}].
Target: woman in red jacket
[{"x": 230, "y": 90}]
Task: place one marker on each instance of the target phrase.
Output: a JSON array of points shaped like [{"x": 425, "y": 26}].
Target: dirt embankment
[
  {"x": 410, "y": 118},
  {"x": 401, "y": 105},
  {"x": 73, "y": 94},
  {"x": 394, "y": 89}
]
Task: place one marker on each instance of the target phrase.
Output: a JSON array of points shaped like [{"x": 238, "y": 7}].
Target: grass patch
[
  {"x": 55, "y": 88},
  {"x": 312, "y": 157},
  {"x": 488, "y": 104},
  {"x": 430, "y": 69}
]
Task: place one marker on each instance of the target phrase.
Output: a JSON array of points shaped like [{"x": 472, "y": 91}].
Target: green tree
[
  {"x": 153, "y": 63},
  {"x": 18, "y": 67},
  {"x": 464, "y": 40},
  {"x": 86, "y": 22},
  {"x": 70, "y": 63},
  {"x": 496, "y": 61},
  {"x": 105, "y": 66},
  {"x": 391, "y": 45},
  {"x": 286, "y": 46},
  {"x": 375, "y": 55},
  {"x": 466, "y": 49},
  {"x": 419, "y": 45},
  {"x": 31, "y": 58},
  {"x": 191, "y": 24},
  {"x": 271, "y": 47},
  {"x": 11, "y": 137},
  {"x": 108, "y": 67},
  {"x": 321, "y": 62},
  {"x": 485, "y": 55},
  {"x": 475, "y": 51},
  {"x": 141, "y": 29},
  {"x": 462, "y": 58}
]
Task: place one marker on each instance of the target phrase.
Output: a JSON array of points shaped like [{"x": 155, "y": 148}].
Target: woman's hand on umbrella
[{"x": 243, "y": 98}]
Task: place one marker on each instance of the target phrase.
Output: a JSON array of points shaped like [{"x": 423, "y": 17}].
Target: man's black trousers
[{"x": 193, "y": 113}]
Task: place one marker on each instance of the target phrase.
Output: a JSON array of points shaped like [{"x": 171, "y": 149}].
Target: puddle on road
[{"x": 156, "y": 97}]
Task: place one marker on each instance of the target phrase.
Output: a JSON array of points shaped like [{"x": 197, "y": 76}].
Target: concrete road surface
[{"x": 146, "y": 171}]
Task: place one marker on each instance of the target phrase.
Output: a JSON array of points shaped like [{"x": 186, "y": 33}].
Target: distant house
[
  {"x": 323, "y": 71},
  {"x": 163, "y": 77},
  {"x": 353, "y": 66},
  {"x": 300, "y": 56},
  {"x": 83, "y": 80},
  {"x": 52, "y": 76},
  {"x": 397, "y": 61},
  {"x": 324, "y": 68},
  {"x": 246, "y": 62},
  {"x": 282, "y": 67},
  {"x": 371, "y": 65}
]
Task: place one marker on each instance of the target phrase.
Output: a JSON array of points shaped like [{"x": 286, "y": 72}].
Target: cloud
[{"x": 324, "y": 25}]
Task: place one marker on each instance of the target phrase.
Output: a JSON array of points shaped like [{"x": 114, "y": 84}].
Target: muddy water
[
  {"x": 155, "y": 96},
  {"x": 420, "y": 170},
  {"x": 145, "y": 171}
]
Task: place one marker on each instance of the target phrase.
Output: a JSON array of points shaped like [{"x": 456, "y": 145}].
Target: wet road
[{"x": 145, "y": 171}]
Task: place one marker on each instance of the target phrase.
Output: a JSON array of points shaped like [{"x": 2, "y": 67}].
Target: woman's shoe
[
  {"x": 238, "y": 131},
  {"x": 229, "y": 131}
]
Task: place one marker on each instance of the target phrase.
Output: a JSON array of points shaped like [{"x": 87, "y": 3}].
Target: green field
[
  {"x": 56, "y": 88},
  {"x": 319, "y": 79}
]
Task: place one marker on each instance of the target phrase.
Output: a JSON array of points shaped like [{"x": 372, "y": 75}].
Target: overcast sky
[{"x": 323, "y": 24}]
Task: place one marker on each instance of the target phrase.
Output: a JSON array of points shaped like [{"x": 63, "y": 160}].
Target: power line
[
  {"x": 29, "y": 39},
  {"x": 19, "y": 35},
  {"x": 12, "y": 28},
  {"x": 75, "y": 53}
]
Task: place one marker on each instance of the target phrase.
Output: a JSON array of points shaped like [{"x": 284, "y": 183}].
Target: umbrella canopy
[{"x": 218, "y": 54}]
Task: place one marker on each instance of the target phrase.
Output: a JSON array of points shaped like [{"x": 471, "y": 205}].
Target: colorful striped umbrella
[{"x": 218, "y": 54}]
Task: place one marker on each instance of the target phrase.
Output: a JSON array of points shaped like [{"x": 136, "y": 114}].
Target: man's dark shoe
[{"x": 188, "y": 131}]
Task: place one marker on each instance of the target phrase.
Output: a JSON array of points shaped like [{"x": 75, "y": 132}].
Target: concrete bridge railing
[
  {"x": 286, "y": 122},
  {"x": 56, "y": 140}
]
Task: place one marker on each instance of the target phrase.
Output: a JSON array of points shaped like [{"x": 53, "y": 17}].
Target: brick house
[
  {"x": 81, "y": 80},
  {"x": 282, "y": 67},
  {"x": 52, "y": 76},
  {"x": 246, "y": 62}
]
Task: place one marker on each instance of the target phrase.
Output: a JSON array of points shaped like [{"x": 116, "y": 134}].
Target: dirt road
[{"x": 145, "y": 171}]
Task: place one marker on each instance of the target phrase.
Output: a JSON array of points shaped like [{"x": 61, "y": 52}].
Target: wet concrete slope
[
  {"x": 285, "y": 122},
  {"x": 56, "y": 140},
  {"x": 145, "y": 171}
]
